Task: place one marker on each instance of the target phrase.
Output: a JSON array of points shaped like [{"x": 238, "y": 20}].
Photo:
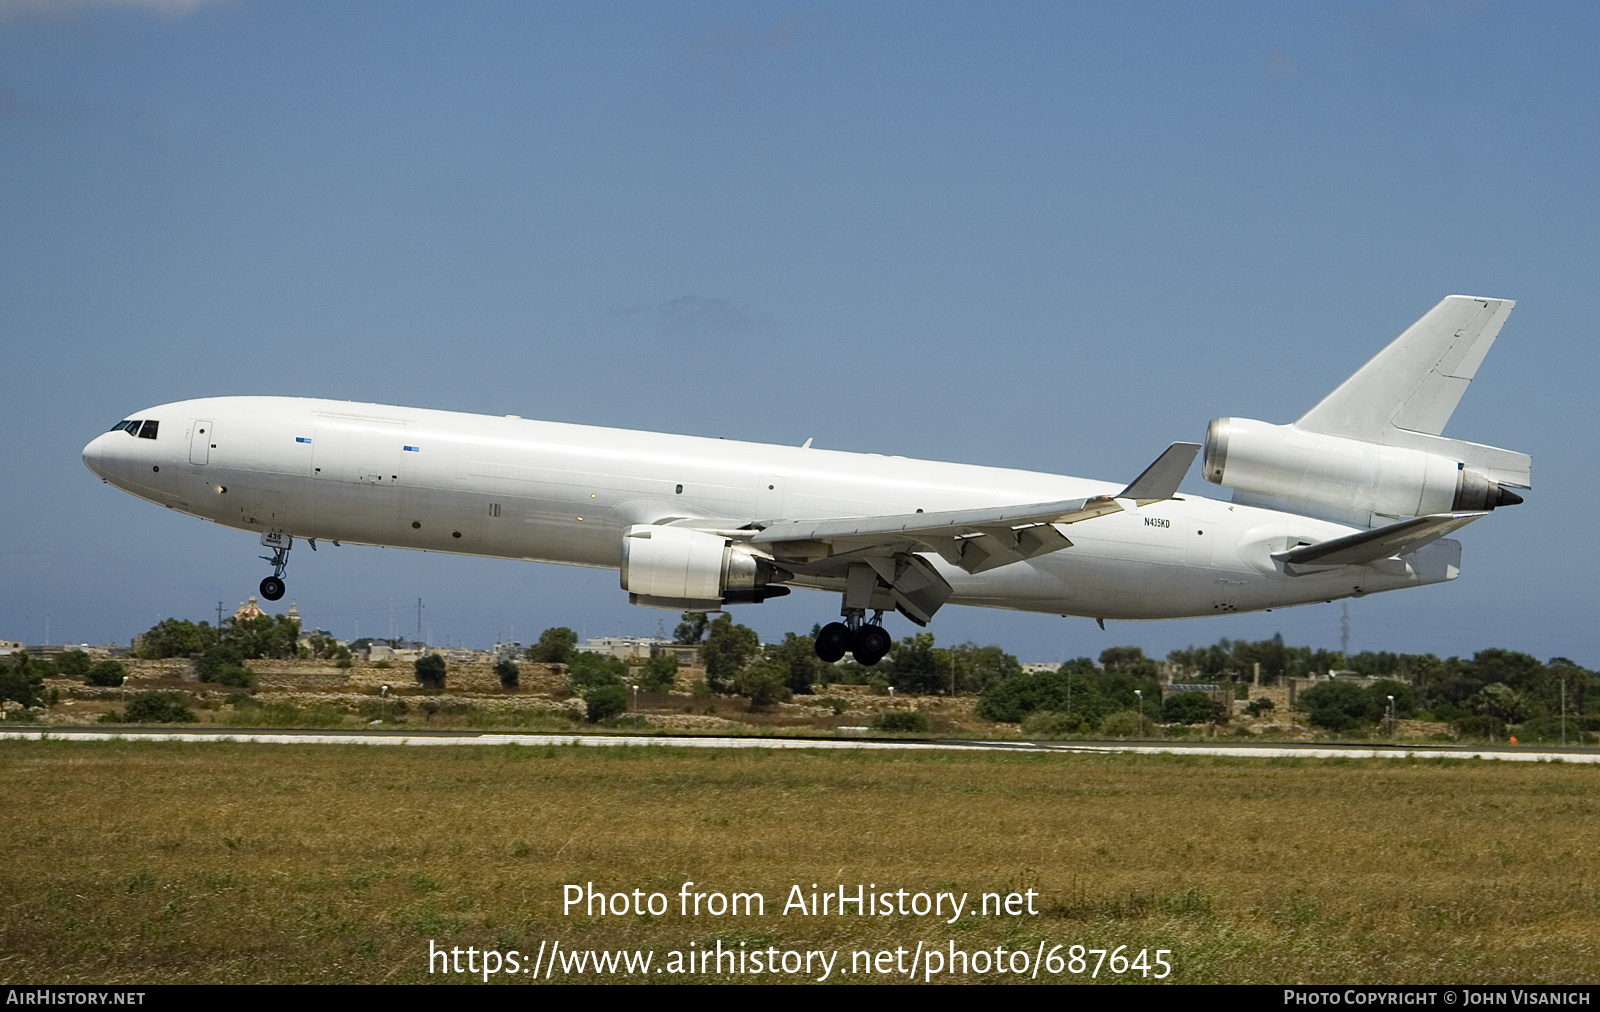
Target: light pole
[
  {"x": 1392, "y": 734},
  {"x": 1563, "y": 706},
  {"x": 1140, "y": 694}
]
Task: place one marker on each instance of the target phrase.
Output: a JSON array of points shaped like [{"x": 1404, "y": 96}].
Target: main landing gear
[
  {"x": 867, "y": 641},
  {"x": 272, "y": 586}
]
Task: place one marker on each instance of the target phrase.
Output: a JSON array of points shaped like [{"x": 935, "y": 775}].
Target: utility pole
[
  {"x": 419, "y": 620},
  {"x": 219, "y": 614},
  {"x": 1344, "y": 632}
]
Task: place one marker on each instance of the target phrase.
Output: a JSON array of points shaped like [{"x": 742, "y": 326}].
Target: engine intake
[
  {"x": 680, "y": 569},
  {"x": 1283, "y": 460}
]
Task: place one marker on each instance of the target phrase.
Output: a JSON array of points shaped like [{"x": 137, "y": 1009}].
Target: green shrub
[
  {"x": 224, "y": 665},
  {"x": 900, "y": 720},
  {"x": 73, "y": 663},
  {"x": 835, "y": 704},
  {"x": 385, "y": 665},
  {"x": 1337, "y": 705},
  {"x": 431, "y": 671},
  {"x": 1052, "y": 724},
  {"x": 106, "y": 674},
  {"x": 1122, "y": 724},
  {"x": 1186, "y": 708},
  {"x": 604, "y": 702},
  {"x": 159, "y": 708},
  {"x": 508, "y": 673},
  {"x": 1256, "y": 707}
]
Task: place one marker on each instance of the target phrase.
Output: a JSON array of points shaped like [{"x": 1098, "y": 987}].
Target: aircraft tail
[
  {"x": 1374, "y": 450},
  {"x": 1408, "y": 391}
]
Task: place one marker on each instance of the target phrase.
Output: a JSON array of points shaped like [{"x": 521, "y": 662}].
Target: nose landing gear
[{"x": 272, "y": 587}]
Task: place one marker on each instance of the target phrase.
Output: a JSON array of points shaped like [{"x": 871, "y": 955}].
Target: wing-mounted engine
[
  {"x": 682, "y": 569},
  {"x": 1348, "y": 474}
]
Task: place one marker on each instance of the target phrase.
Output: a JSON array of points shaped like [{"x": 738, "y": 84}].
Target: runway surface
[{"x": 1282, "y": 750}]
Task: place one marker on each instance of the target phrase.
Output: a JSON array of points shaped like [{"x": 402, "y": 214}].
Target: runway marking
[{"x": 868, "y": 744}]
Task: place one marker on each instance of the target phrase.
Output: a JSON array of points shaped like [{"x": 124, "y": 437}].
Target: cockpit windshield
[{"x": 144, "y": 429}]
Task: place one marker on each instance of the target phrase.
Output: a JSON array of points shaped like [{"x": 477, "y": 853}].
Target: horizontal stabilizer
[{"x": 1381, "y": 543}]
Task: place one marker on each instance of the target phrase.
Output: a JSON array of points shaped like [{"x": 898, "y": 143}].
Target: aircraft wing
[
  {"x": 976, "y": 540},
  {"x": 1381, "y": 543},
  {"x": 1004, "y": 533}
]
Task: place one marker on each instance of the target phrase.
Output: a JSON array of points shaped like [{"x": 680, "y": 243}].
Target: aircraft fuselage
[{"x": 553, "y": 492}]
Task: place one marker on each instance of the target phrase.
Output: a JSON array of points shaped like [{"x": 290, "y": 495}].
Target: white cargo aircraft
[{"x": 1352, "y": 499}]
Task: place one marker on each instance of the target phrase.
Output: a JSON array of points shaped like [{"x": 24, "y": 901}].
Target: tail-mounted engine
[
  {"x": 1350, "y": 474},
  {"x": 680, "y": 569}
]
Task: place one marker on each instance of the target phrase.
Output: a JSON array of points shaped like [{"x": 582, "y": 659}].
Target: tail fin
[{"x": 1406, "y": 394}]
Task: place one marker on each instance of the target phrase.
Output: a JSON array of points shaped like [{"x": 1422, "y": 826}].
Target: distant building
[{"x": 639, "y": 648}]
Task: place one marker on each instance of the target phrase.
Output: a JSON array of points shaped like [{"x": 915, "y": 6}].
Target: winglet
[{"x": 1161, "y": 479}]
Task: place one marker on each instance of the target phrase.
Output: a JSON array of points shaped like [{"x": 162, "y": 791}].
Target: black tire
[
  {"x": 272, "y": 588},
  {"x": 872, "y": 644},
  {"x": 832, "y": 641}
]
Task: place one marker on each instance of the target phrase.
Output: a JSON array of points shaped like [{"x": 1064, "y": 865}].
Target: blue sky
[{"x": 1047, "y": 236}]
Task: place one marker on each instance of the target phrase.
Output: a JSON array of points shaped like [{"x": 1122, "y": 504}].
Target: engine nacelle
[
  {"x": 1283, "y": 460},
  {"x": 687, "y": 570}
]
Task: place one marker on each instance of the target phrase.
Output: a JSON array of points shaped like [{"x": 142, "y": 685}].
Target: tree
[
  {"x": 913, "y": 667},
  {"x": 1336, "y": 705},
  {"x": 431, "y": 670},
  {"x": 507, "y": 670},
  {"x": 1128, "y": 661},
  {"x": 725, "y": 651},
  {"x": 976, "y": 668},
  {"x": 106, "y": 674},
  {"x": 798, "y": 654},
  {"x": 276, "y": 636},
  {"x": 692, "y": 629},
  {"x": 605, "y": 701},
  {"x": 224, "y": 665},
  {"x": 587, "y": 670},
  {"x": 73, "y": 663},
  {"x": 172, "y": 637},
  {"x": 321, "y": 646},
  {"x": 554, "y": 646},
  {"x": 1186, "y": 708},
  {"x": 22, "y": 680},
  {"x": 1501, "y": 702},
  {"x": 763, "y": 681},
  {"x": 660, "y": 672}
]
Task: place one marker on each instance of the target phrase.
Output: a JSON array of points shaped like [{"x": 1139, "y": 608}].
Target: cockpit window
[
  {"x": 148, "y": 429},
  {"x": 128, "y": 425}
]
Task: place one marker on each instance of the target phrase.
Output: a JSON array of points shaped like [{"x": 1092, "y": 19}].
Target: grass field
[{"x": 124, "y": 862}]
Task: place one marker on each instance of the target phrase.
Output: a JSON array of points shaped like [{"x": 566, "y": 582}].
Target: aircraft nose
[{"x": 94, "y": 455}]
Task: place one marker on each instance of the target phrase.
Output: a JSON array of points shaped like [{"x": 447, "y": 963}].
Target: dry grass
[{"x": 244, "y": 863}]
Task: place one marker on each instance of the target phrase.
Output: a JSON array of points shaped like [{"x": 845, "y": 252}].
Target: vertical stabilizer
[
  {"x": 1406, "y": 394},
  {"x": 1416, "y": 382}
]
